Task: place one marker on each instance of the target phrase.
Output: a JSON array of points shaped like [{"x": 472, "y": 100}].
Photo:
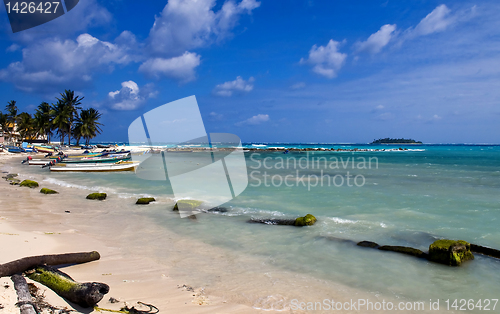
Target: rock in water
[
  {"x": 369, "y": 244},
  {"x": 307, "y": 220},
  {"x": 97, "y": 196},
  {"x": 48, "y": 191},
  {"x": 403, "y": 249},
  {"x": 145, "y": 200},
  {"x": 29, "y": 183},
  {"x": 187, "y": 205},
  {"x": 450, "y": 252}
]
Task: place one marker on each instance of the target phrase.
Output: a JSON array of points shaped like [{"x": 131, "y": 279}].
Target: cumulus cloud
[
  {"x": 326, "y": 60},
  {"x": 188, "y": 24},
  {"x": 378, "y": 40},
  {"x": 180, "y": 68},
  {"x": 54, "y": 64},
  {"x": 130, "y": 96},
  {"x": 239, "y": 86},
  {"x": 258, "y": 119}
]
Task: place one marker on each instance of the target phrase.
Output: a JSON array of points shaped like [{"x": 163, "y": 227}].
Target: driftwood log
[
  {"x": 85, "y": 294},
  {"x": 23, "y": 295},
  {"x": 23, "y": 264}
]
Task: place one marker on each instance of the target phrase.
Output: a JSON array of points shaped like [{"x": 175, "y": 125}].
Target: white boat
[
  {"x": 38, "y": 162},
  {"x": 97, "y": 167}
]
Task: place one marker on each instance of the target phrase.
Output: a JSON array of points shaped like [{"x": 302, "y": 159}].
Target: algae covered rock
[
  {"x": 29, "y": 183},
  {"x": 97, "y": 196},
  {"x": 145, "y": 200},
  {"x": 14, "y": 182},
  {"x": 403, "y": 249},
  {"x": 307, "y": 220},
  {"x": 187, "y": 205},
  {"x": 450, "y": 252},
  {"x": 48, "y": 191}
]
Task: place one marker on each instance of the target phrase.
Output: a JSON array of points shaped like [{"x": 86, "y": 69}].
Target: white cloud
[
  {"x": 378, "y": 40},
  {"x": 53, "y": 64},
  {"x": 239, "y": 85},
  {"x": 326, "y": 60},
  {"x": 130, "y": 96},
  {"x": 298, "y": 85},
  {"x": 258, "y": 119},
  {"x": 188, "y": 24},
  {"x": 13, "y": 47},
  {"x": 216, "y": 116},
  {"x": 180, "y": 68},
  {"x": 436, "y": 21}
]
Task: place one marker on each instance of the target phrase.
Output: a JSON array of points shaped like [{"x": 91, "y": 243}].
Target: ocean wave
[
  {"x": 77, "y": 186},
  {"x": 343, "y": 221}
]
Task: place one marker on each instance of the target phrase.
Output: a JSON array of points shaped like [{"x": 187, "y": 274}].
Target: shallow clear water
[{"x": 407, "y": 198}]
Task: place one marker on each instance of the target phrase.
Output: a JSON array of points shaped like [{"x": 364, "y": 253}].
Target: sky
[{"x": 271, "y": 71}]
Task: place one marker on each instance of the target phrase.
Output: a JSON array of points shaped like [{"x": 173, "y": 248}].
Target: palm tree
[
  {"x": 4, "y": 122},
  {"x": 43, "y": 121},
  {"x": 72, "y": 103},
  {"x": 25, "y": 126},
  {"x": 11, "y": 117},
  {"x": 61, "y": 117},
  {"x": 87, "y": 125}
]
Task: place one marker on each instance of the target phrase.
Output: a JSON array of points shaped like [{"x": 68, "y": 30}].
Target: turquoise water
[{"x": 407, "y": 198}]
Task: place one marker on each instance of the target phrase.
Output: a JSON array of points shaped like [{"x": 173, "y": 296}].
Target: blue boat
[{"x": 14, "y": 149}]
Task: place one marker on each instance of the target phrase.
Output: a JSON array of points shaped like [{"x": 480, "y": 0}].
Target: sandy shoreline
[{"x": 33, "y": 224}]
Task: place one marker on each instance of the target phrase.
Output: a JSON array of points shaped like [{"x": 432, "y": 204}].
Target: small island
[{"x": 388, "y": 140}]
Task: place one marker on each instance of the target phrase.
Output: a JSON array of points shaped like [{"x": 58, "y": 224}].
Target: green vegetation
[
  {"x": 450, "y": 252},
  {"x": 29, "y": 184},
  {"x": 307, "y": 220},
  {"x": 97, "y": 196},
  {"x": 145, "y": 200},
  {"x": 48, "y": 191},
  {"x": 187, "y": 204},
  {"x": 63, "y": 118},
  {"x": 388, "y": 140}
]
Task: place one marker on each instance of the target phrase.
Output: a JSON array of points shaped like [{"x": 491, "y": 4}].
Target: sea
[{"x": 406, "y": 197}]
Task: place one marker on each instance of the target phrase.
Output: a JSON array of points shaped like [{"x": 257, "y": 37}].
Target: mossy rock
[
  {"x": 10, "y": 176},
  {"x": 404, "y": 250},
  {"x": 29, "y": 183},
  {"x": 97, "y": 196},
  {"x": 145, "y": 200},
  {"x": 48, "y": 191},
  {"x": 307, "y": 220},
  {"x": 15, "y": 182},
  {"x": 187, "y": 205},
  {"x": 450, "y": 252}
]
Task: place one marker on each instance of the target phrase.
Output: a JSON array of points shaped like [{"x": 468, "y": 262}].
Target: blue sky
[{"x": 272, "y": 71}]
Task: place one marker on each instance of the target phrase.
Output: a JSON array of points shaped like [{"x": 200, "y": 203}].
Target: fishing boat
[
  {"x": 111, "y": 158},
  {"x": 76, "y": 156},
  {"x": 38, "y": 162},
  {"x": 14, "y": 149},
  {"x": 97, "y": 167},
  {"x": 44, "y": 149}
]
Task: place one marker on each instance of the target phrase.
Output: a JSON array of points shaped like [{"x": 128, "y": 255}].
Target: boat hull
[{"x": 127, "y": 166}]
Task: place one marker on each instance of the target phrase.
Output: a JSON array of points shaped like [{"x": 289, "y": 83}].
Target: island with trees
[{"x": 388, "y": 140}]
